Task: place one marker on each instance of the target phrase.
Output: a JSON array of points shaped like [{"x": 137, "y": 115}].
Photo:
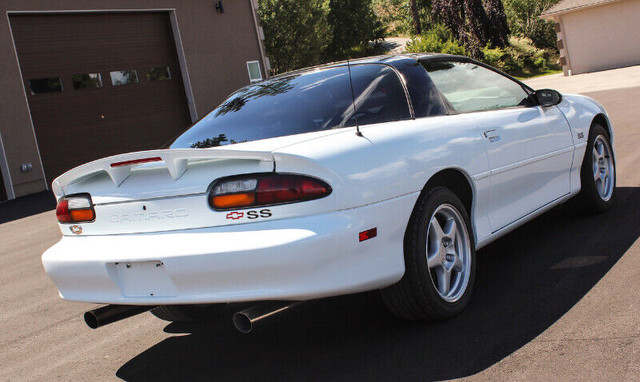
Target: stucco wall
[
  {"x": 216, "y": 49},
  {"x": 603, "y": 37}
]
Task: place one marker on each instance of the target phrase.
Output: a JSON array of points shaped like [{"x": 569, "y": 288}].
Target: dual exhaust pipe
[
  {"x": 111, "y": 313},
  {"x": 244, "y": 321}
]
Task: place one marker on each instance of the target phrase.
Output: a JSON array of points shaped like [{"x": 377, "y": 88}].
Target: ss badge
[{"x": 266, "y": 213}]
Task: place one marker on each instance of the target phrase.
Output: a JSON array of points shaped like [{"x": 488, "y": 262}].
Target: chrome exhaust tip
[{"x": 246, "y": 320}]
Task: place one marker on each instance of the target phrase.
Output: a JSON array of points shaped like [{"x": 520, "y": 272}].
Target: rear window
[{"x": 301, "y": 103}]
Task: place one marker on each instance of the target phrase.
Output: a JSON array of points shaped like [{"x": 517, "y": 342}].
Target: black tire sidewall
[
  {"x": 589, "y": 191},
  {"x": 439, "y": 306}
]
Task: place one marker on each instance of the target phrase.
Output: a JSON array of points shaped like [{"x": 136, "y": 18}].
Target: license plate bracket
[{"x": 143, "y": 279}]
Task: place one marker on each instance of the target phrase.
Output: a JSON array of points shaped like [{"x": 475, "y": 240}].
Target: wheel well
[
  {"x": 455, "y": 181},
  {"x": 602, "y": 120}
]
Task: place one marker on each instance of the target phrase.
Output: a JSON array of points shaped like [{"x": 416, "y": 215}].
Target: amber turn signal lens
[
  {"x": 82, "y": 215},
  {"x": 232, "y": 201}
]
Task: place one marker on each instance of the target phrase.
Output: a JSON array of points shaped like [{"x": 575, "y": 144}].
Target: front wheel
[
  {"x": 439, "y": 260},
  {"x": 598, "y": 173}
]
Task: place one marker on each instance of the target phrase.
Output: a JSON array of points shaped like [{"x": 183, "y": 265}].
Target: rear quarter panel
[{"x": 394, "y": 159}]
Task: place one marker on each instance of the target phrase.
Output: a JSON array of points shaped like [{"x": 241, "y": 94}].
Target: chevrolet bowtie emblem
[{"x": 235, "y": 215}]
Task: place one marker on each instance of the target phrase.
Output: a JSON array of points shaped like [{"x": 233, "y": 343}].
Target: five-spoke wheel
[
  {"x": 602, "y": 163},
  {"x": 439, "y": 260},
  {"x": 598, "y": 175},
  {"x": 448, "y": 253}
]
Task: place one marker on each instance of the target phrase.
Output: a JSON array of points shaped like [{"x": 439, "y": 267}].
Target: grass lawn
[{"x": 526, "y": 76}]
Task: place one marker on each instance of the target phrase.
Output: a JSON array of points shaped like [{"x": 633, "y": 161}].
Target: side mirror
[{"x": 547, "y": 97}]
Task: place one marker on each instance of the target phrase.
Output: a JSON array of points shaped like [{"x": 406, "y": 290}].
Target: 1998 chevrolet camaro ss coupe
[{"x": 381, "y": 173}]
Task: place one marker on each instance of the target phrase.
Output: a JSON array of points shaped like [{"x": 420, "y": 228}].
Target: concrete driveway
[{"x": 557, "y": 299}]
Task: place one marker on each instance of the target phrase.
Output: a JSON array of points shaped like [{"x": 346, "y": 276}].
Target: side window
[
  {"x": 379, "y": 95},
  {"x": 470, "y": 87},
  {"x": 254, "y": 71}
]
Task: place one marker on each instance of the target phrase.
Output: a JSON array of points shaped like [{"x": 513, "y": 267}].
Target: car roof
[
  {"x": 394, "y": 60},
  {"x": 398, "y": 61}
]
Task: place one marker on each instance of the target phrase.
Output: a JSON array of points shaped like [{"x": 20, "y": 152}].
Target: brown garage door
[{"x": 99, "y": 84}]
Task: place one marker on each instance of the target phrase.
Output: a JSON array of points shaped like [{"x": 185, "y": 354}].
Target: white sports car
[{"x": 382, "y": 173}]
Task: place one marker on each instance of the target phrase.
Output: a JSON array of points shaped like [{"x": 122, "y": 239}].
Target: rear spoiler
[{"x": 176, "y": 161}]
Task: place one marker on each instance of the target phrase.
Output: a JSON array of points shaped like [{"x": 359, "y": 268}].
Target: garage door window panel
[
  {"x": 45, "y": 85},
  {"x": 124, "y": 77},
  {"x": 470, "y": 87},
  {"x": 86, "y": 81},
  {"x": 158, "y": 73}
]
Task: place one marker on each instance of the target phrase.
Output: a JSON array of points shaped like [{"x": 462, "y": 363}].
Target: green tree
[
  {"x": 524, "y": 21},
  {"x": 395, "y": 15},
  {"x": 475, "y": 23},
  {"x": 296, "y": 32},
  {"x": 401, "y": 17},
  {"x": 353, "y": 24},
  {"x": 415, "y": 13}
]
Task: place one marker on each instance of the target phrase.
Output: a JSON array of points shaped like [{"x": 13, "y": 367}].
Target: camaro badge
[{"x": 76, "y": 229}]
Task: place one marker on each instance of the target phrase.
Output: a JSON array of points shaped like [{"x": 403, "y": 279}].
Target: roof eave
[{"x": 550, "y": 15}]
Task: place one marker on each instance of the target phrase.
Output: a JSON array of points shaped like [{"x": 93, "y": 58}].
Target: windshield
[{"x": 301, "y": 103}]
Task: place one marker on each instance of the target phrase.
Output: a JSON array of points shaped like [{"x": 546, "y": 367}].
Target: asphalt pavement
[{"x": 557, "y": 299}]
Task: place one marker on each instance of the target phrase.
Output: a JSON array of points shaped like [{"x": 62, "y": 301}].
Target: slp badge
[{"x": 76, "y": 229}]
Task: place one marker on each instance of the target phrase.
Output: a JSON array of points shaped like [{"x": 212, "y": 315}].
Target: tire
[
  {"x": 187, "y": 313},
  {"x": 598, "y": 172},
  {"x": 423, "y": 293}
]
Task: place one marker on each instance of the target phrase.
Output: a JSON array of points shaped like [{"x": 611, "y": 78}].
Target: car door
[{"x": 530, "y": 148}]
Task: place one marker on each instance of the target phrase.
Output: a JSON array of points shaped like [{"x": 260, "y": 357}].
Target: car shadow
[
  {"x": 525, "y": 282},
  {"x": 25, "y": 206}
]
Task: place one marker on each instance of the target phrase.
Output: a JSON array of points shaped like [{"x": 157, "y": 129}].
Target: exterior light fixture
[{"x": 220, "y": 7}]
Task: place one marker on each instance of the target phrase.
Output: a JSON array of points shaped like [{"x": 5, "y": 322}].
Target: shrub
[
  {"x": 438, "y": 39},
  {"x": 520, "y": 58}
]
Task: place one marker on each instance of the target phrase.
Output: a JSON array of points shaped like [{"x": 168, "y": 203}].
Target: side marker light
[{"x": 368, "y": 234}]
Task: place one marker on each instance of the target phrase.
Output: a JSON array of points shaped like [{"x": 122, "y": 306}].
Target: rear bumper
[{"x": 290, "y": 259}]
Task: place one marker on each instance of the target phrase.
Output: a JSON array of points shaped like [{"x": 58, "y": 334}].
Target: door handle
[{"x": 492, "y": 135}]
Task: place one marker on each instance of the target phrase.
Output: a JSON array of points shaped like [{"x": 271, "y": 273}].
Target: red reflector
[
  {"x": 369, "y": 234},
  {"x": 62, "y": 212},
  {"x": 136, "y": 161}
]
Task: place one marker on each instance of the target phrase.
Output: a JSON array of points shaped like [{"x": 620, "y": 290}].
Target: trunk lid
[{"x": 157, "y": 190}]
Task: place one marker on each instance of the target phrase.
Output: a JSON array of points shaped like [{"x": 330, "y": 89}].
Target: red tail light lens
[
  {"x": 265, "y": 190},
  {"x": 75, "y": 209},
  {"x": 62, "y": 211}
]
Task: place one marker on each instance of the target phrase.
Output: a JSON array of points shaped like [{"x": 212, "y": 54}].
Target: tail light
[
  {"x": 75, "y": 209},
  {"x": 265, "y": 190}
]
